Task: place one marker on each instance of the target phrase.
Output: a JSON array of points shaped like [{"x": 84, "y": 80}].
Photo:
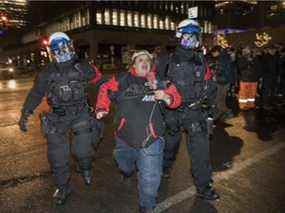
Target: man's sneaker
[
  {"x": 208, "y": 193},
  {"x": 166, "y": 173},
  {"x": 87, "y": 176},
  {"x": 61, "y": 194}
]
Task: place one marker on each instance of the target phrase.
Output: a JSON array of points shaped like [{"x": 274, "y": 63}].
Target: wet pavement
[{"x": 249, "y": 168}]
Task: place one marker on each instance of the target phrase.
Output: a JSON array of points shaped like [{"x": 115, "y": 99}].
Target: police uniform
[
  {"x": 64, "y": 85},
  {"x": 187, "y": 70}
]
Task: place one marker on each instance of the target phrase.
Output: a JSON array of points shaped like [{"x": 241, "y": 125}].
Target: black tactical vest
[
  {"x": 140, "y": 115},
  {"x": 67, "y": 87},
  {"x": 188, "y": 77}
]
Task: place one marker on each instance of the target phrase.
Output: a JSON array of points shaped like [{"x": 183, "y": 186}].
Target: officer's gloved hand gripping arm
[{"x": 33, "y": 99}]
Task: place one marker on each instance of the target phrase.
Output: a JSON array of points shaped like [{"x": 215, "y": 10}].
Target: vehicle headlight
[{"x": 11, "y": 69}]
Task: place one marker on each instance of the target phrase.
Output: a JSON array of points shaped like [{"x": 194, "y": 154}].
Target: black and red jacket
[{"x": 140, "y": 116}]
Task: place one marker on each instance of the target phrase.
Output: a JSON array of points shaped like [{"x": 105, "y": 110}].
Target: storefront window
[
  {"x": 136, "y": 20},
  {"x": 171, "y": 6},
  {"x": 155, "y": 22},
  {"x": 172, "y": 25},
  {"x": 87, "y": 17},
  {"x": 167, "y": 23},
  {"x": 210, "y": 27},
  {"x": 122, "y": 18},
  {"x": 130, "y": 19},
  {"x": 143, "y": 20},
  {"x": 107, "y": 19},
  {"x": 115, "y": 17},
  {"x": 99, "y": 19},
  {"x": 161, "y": 25},
  {"x": 149, "y": 21}
]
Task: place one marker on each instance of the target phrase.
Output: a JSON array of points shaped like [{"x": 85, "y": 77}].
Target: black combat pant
[
  {"x": 57, "y": 130},
  {"x": 194, "y": 122}
]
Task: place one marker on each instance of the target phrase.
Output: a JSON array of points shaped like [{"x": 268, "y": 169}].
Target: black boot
[
  {"x": 145, "y": 210},
  {"x": 61, "y": 194},
  {"x": 87, "y": 177},
  {"x": 166, "y": 173},
  {"x": 250, "y": 121},
  {"x": 208, "y": 193}
]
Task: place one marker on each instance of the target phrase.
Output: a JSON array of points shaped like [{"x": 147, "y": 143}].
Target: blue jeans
[{"x": 149, "y": 164}]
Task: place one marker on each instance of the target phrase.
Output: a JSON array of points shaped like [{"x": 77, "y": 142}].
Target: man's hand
[
  {"x": 101, "y": 114},
  {"x": 23, "y": 122},
  {"x": 161, "y": 95}
]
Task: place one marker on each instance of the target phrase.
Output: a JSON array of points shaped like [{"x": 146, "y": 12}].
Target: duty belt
[{"x": 66, "y": 110}]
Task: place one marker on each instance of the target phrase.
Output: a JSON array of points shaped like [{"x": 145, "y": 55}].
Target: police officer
[
  {"x": 64, "y": 82},
  {"x": 189, "y": 72}
]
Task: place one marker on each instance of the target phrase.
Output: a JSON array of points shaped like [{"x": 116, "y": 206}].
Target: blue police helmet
[
  {"x": 188, "y": 26},
  {"x": 60, "y": 47}
]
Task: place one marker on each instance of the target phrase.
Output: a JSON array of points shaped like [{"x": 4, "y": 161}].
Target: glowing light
[
  {"x": 262, "y": 39},
  {"x": 12, "y": 84},
  {"x": 45, "y": 42},
  {"x": 222, "y": 41},
  {"x": 4, "y": 18}
]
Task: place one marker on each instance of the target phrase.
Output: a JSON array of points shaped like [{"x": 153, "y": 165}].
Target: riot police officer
[
  {"x": 189, "y": 72},
  {"x": 63, "y": 82}
]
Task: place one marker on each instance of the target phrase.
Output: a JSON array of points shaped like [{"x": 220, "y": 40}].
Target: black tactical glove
[{"x": 24, "y": 121}]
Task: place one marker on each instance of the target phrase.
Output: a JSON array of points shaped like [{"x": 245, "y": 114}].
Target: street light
[
  {"x": 4, "y": 18},
  {"x": 45, "y": 42}
]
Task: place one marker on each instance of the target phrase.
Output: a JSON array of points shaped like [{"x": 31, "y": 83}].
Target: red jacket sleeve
[
  {"x": 209, "y": 73},
  {"x": 175, "y": 96},
  {"x": 97, "y": 76},
  {"x": 103, "y": 101}
]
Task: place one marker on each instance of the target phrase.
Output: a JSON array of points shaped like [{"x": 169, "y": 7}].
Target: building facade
[{"x": 106, "y": 32}]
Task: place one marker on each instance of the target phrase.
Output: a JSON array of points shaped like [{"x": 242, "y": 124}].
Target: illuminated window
[
  {"x": 149, "y": 21},
  {"x": 87, "y": 17},
  {"x": 205, "y": 27},
  {"x": 130, "y": 19},
  {"x": 210, "y": 27},
  {"x": 161, "y": 24},
  {"x": 167, "y": 23},
  {"x": 166, "y": 6},
  {"x": 107, "y": 19},
  {"x": 171, "y": 6},
  {"x": 136, "y": 20},
  {"x": 83, "y": 18},
  {"x": 182, "y": 8},
  {"x": 115, "y": 17},
  {"x": 143, "y": 21},
  {"x": 122, "y": 18},
  {"x": 177, "y": 9},
  {"x": 172, "y": 25},
  {"x": 99, "y": 19},
  {"x": 155, "y": 22}
]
